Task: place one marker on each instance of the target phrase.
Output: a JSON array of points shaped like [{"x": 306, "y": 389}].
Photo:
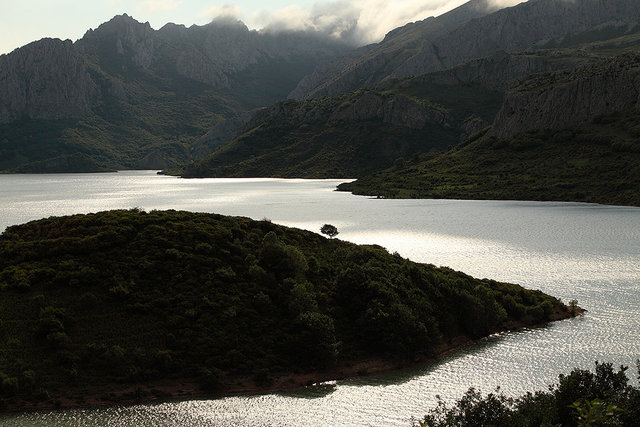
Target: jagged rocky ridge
[
  {"x": 371, "y": 64},
  {"x": 156, "y": 92},
  {"x": 212, "y": 54}
]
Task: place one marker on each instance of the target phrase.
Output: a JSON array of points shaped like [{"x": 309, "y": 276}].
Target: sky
[{"x": 367, "y": 21}]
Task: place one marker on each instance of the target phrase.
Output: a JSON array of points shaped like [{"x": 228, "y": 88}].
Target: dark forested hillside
[
  {"x": 341, "y": 136},
  {"x": 596, "y": 162},
  {"x": 125, "y": 298}
]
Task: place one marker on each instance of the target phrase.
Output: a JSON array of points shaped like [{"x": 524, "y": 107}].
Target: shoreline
[{"x": 189, "y": 388}]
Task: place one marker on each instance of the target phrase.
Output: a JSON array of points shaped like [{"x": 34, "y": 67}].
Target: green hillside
[
  {"x": 151, "y": 118},
  {"x": 597, "y": 162},
  {"x": 127, "y": 298}
]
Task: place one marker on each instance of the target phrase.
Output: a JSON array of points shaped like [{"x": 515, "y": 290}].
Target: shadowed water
[{"x": 569, "y": 250}]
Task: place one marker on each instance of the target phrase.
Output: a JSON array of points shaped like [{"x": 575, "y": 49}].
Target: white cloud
[
  {"x": 360, "y": 21},
  {"x": 224, "y": 11},
  {"x": 505, "y": 3},
  {"x": 153, "y": 6}
]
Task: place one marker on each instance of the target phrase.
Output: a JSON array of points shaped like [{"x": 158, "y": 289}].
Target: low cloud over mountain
[{"x": 358, "y": 22}]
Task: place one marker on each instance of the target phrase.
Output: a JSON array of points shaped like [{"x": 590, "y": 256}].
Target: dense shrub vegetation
[
  {"x": 129, "y": 297},
  {"x": 603, "y": 398},
  {"x": 598, "y": 163}
]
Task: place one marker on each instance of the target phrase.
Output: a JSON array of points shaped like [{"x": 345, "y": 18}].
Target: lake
[{"x": 569, "y": 250}]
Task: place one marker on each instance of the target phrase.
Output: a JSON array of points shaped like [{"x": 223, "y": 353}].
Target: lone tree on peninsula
[{"x": 329, "y": 230}]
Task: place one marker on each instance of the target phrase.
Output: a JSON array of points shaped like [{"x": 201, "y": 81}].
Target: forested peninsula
[{"x": 130, "y": 306}]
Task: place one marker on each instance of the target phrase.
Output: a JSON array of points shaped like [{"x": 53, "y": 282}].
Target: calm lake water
[{"x": 569, "y": 250}]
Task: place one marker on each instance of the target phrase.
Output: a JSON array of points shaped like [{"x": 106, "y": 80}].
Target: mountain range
[{"x": 126, "y": 95}]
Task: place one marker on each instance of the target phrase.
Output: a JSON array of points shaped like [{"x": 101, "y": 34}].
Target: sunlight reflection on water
[{"x": 569, "y": 250}]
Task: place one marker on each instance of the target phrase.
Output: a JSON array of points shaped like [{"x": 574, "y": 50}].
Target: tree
[
  {"x": 329, "y": 230},
  {"x": 573, "y": 307}
]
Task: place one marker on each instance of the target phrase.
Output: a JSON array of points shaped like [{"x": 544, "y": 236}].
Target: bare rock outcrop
[
  {"x": 47, "y": 79},
  {"x": 496, "y": 71},
  {"x": 517, "y": 28},
  {"x": 568, "y": 98}
]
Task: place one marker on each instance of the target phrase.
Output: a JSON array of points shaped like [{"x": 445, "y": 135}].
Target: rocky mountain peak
[{"x": 126, "y": 37}]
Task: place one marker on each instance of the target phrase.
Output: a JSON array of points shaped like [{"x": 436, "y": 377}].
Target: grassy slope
[
  {"x": 127, "y": 297},
  {"x": 597, "y": 162}
]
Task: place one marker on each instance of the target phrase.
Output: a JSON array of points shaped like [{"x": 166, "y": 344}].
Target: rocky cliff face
[
  {"x": 209, "y": 54},
  {"x": 47, "y": 80},
  {"x": 495, "y": 72},
  {"x": 512, "y": 29},
  {"x": 568, "y": 98},
  {"x": 212, "y": 54}
]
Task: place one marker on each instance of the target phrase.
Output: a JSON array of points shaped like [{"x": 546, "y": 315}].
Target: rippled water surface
[{"x": 569, "y": 250}]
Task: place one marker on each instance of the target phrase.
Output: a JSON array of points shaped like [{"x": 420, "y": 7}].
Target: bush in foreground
[{"x": 581, "y": 398}]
